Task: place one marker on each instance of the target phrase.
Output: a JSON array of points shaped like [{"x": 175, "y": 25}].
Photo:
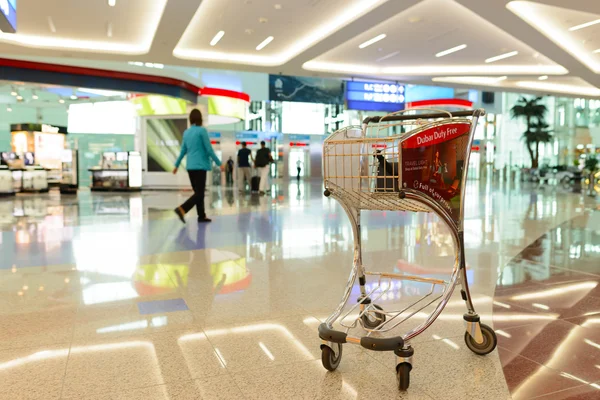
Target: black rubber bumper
[
  {"x": 382, "y": 344},
  {"x": 331, "y": 335}
]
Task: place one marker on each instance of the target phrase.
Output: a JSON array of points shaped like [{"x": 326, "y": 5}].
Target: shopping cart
[{"x": 405, "y": 161}]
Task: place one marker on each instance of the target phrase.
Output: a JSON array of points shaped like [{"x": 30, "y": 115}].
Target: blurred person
[
  {"x": 200, "y": 155},
  {"x": 262, "y": 163},
  {"x": 229, "y": 171},
  {"x": 243, "y": 161},
  {"x": 299, "y": 169}
]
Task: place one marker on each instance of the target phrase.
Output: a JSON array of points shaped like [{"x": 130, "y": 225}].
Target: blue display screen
[
  {"x": 421, "y": 92},
  {"x": 8, "y": 16},
  {"x": 375, "y": 96}
]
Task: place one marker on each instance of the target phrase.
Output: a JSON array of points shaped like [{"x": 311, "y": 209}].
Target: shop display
[
  {"x": 39, "y": 145},
  {"x": 34, "y": 179},
  {"x": 7, "y": 186},
  {"x": 70, "y": 172},
  {"x": 118, "y": 171}
]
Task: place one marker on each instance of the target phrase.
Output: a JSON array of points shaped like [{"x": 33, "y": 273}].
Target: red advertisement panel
[{"x": 433, "y": 162}]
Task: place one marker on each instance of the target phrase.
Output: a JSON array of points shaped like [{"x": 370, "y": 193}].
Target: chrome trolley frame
[{"x": 363, "y": 170}]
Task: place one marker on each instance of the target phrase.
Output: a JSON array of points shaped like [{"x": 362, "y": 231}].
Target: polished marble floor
[{"x": 109, "y": 296}]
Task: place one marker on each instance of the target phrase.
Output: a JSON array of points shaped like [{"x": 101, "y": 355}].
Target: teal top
[{"x": 196, "y": 145}]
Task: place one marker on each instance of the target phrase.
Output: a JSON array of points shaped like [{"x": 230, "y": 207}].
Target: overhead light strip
[
  {"x": 51, "y": 25},
  {"x": 460, "y": 70},
  {"x": 374, "y": 40},
  {"x": 560, "y": 88},
  {"x": 501, "y": 57},
  {"x": 578, "y": 27},
  {"x": 264, "y": 43},
  {"x": 450, "y": 51},
  {"x": 217, "y": 37},
  {"x": 112, "y": 3},
  {"x": 395, "y": 53}
]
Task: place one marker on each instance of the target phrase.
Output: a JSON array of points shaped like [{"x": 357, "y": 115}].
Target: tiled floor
[
  {"x": 555, "y": 281},
  {"x": 108, "y": 296}
]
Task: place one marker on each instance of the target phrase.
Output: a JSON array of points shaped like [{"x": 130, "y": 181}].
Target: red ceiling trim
[
  {"x": 207, "y": 91},
  {"x": 95, "y": 72},
  {"x": 440, "y": 102}
]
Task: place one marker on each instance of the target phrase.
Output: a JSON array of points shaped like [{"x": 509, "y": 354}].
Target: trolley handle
[{"x": 403, "y": 117}]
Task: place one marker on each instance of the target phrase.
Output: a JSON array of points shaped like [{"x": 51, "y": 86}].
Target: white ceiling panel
[
  {"x": 324, "y": 38},
  {"x": 87, "y": 25},
  {"x": 294, "y": 25},
  {"x": 575, "y": 31},
  {"x": 433, "y": 27}
]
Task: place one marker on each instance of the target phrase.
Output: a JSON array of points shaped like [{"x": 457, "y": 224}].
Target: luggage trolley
[{"x": 423, "y": 169}]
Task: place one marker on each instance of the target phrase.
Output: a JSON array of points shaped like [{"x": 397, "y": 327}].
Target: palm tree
[
  {"x": 539, "y": 133},
  {"x": 537, "y": 130}
]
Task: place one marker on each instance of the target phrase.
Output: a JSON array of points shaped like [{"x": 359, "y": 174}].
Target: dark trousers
[{"x": 198, "y": 180}]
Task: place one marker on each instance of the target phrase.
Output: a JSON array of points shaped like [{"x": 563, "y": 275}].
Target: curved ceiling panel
[
  {"x": 246, "y": 32},
  {"x": 431, "y": 38},
  {"x": 92, "y": 26},
  {"x": 576, "y": 32}
]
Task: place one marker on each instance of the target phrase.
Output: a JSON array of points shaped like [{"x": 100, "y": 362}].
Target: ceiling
[
  {"x": 541, "y": 46},
  {"x": 24, "y": 95}
]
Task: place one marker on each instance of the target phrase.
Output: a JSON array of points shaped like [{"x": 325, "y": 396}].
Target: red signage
[{"x": 433, "y": 162}]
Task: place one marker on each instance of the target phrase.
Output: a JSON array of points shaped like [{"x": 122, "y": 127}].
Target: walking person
[
  {"x": 243, "y": 161},
  {"x": 229, "y": 171},
  {"x": 263, "y": 160},
  {"x": 200, "y": 155},
  {"x": 299, "y": 169}
]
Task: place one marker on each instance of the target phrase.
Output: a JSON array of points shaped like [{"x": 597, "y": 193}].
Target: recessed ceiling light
[
  {"x": 263, "y": 20},
  {"x": 395, "y": 53},
  {"x": 278, "y": 6},
  {"x": 374, "y": 40},
  {"x": 14, "y": 93},
  {"x": 501, "y": 57},
  {"x": 19, "y": 97},
  {"x": 112, "y": 3},
  {"x": 414, "y": 20},
  {"x": 61, "y": 101},
  {"x": 217, "y": 37},
  {"x": 8, "y": 109},
  {"x": 452, "y": 50},
  {"x": 51, "y": 25},
  {"x": 264, "y": 43},
  {"x": 35, "y": 97},
  {"x": 249, "y": 31},
  {"x": 543, "y": 78},
  {"x": 73, "y": 97},
  {"x": 578, "y": 27}
]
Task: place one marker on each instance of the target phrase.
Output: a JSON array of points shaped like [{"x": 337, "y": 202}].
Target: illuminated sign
[
  {"x": 375, "y": 96},
  {"x": 8, "y": 16}
]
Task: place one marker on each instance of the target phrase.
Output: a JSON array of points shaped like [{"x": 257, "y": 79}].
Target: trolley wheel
[
  {"x": 372, "y": 320},
  {"x": 403, "y": 375},
  {"x": 489, "y": 341},
  {"x": 329, "y": 359}
]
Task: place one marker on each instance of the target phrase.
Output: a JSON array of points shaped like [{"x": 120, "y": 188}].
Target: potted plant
[
  {"x": 537, "y": 129},
  {"x": 591, "y": 165}
]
